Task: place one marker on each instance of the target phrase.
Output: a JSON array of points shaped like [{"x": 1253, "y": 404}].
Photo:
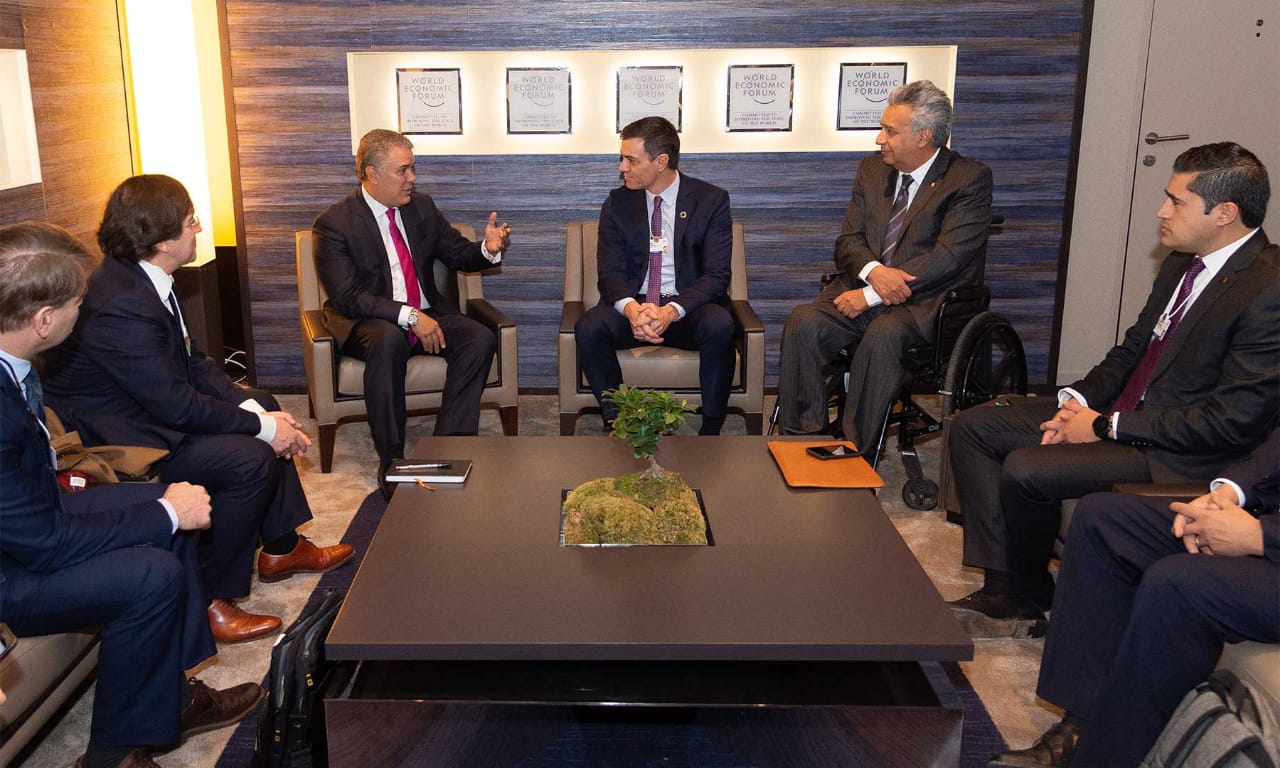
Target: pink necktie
[
  {"x": 412, "y": 294},
  {"x": 1140, "y": 379},
  {"x": 654, "y": 293}
]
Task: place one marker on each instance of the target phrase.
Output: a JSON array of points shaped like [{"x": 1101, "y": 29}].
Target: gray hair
[
  {"x": 41, "y": 265},
  {"x": 930, "y": 109},
  {"x": 375, "y": 146}
]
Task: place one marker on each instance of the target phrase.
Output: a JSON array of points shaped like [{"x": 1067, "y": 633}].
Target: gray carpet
[{"x": 1003, "y": 671}]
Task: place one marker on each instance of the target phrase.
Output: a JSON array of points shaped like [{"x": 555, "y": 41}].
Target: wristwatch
[
  {"x": 1102, "y": 427},
  {"x": 413, "y": 317}
]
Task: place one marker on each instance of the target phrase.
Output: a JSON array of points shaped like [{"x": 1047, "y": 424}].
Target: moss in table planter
[{"x": 634, "y": 509}]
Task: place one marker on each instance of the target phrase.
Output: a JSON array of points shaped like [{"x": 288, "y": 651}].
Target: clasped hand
[
  {"x": 1073, "y": 423},
  {"x": 890, "y": 284},
  {"x": 1215, "y": 524},
  {"x": 650, "y": 321},
  {"x": 289, "y": 440}
]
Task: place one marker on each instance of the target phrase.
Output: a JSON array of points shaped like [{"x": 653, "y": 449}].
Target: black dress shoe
[
  {"x": 987, "y": 613},
  {"x": 385, "y": 487},
  {"x": 1056, "y": 748}
]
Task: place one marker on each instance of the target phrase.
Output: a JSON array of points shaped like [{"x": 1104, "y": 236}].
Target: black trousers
[
  {"x": 151, "y": 610},
  {"x": 602, "y": 331},
  {"x": 384, "y": 348},
  {"x": 1011, "y": 488},
  {"x": 256, "y": 496},
  {"x": 1137, "y": 622}
]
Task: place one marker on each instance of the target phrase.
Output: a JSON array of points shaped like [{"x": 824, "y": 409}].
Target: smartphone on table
[{"x": 836, "y": 451}]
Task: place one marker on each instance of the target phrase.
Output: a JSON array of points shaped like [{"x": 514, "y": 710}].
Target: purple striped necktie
[
  {"x": 897, "y": 220},
  {"x": 654, "y": 293},
  {"x": 1140, "y": 379}
]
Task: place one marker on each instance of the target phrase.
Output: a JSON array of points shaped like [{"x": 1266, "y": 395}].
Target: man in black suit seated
[
  {"x": 916, "y": 227},
  {"x": 1147, "y": 594},
  {"x": 129, "y": 375},
  {"x": 375, "y": 253},
  {"x": 120, "y": 556},
  {"x": 1191, "y": 388},
  {"x": 664, "y": 258}
]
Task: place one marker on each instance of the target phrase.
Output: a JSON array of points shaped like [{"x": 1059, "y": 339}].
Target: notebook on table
[
  {"x": 801, "y": 470},
  {"x": 429, "y": 470}
]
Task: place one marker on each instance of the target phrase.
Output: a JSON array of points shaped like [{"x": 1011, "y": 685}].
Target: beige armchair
[
  {"x": 649, "y": 366},
  {"x": 335, "y": 383}
]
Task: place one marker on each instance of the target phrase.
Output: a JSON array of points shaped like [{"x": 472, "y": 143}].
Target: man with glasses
[{"x": 130, "y": 375}]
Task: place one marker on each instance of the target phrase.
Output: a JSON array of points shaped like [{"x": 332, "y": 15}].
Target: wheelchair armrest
[
  {"x": 313, "y": 326},
  {"x": 969, "y": 293},
  {"x": 488, "y": 315},
  {"x": 1175, "y": 491},
  {"x": 570, "y": 314},
  {"x": 830, "y": 277},
  {"x": 744, "y": 317}
]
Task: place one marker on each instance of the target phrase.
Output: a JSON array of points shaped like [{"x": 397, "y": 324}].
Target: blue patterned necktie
[
  {"x": 897, "y": 220},
  {"x": 35, "y": 394}
]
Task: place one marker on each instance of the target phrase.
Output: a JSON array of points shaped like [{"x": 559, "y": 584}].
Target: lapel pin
[
  {"x": 684, "y": 214},
  {"x": 933, "y": 184}
]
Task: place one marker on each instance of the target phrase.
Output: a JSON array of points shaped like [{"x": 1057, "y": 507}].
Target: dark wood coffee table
[{"x": 805, "y": 618}]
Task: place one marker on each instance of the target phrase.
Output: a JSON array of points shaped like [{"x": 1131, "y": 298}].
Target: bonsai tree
[{"x": 644, "y": 416}]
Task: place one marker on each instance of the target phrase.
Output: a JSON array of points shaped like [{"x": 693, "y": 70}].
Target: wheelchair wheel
[
  {"x": 920, "y": 493},
  {"x": 987, "y": 361}
]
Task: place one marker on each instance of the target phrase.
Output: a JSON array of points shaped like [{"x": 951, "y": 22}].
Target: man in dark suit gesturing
[
  {"x": 375, "y": 253},
  {"x": 119, "y": 556},
  {"x": 664, "y": 259},
  {"x": 130, "y": 376},
  {"x": 1190, "y": 388},
  {"x": 916, "y": 227}
]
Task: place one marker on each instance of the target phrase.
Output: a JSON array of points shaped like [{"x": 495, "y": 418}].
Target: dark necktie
[
  {"x": 897, "y": 220},
  {"x": 654, "y": 294},
  {"x": 35, "y": 394},
  {"x": 1140, "y": 379},
  {"x": 178, "y": 324},
  {"x": 412, "y": 294}
]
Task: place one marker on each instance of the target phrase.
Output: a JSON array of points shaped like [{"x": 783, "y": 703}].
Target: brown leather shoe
[
  {"x": 138, "y": 758},
  {"x": 305, "y": 558},
  {"x": 1056, "y": 748},
  {"x": 232, "y": 624},
  {"x": 211, "y": 709}
]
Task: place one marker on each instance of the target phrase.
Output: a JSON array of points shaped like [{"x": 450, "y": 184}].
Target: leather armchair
[
  {"x": 653, "y": 367},
  {"x": 335, "y": 384}
]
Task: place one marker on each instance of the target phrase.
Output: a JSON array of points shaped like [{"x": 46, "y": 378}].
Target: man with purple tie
[
  {"x": 664, "y": 260},
  {"x": 1191, "y": 388}
]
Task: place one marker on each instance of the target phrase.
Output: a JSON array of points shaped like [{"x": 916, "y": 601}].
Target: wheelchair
[{"x": 976, "y": 356}]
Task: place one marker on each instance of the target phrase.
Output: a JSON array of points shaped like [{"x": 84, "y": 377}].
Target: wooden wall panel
[
  {"x": 1016, "y": 77},
  {"x": 77, "y": 92}
]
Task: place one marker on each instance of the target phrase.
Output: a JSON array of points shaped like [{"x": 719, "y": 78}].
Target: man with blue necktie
[{"x": 120, "y": 556}]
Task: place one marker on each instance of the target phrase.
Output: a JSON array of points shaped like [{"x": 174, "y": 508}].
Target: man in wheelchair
[{"x": 915, "y": 228}]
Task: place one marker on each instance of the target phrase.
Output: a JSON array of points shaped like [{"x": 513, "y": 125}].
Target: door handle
[{"x": 1155, "y": 138}]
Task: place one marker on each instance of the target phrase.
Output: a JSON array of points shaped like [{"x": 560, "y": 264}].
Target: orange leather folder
[{"x": 801, "y": 470}]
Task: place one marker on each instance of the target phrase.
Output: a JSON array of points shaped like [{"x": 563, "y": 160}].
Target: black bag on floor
[
  {"x": 1221, "y": 722},
  {"x": 291, "y": 731}
]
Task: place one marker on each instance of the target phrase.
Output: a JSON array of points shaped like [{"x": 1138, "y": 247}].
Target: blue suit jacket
[
  {"x": 703, "y": 244},
  {"x": 124, "y": 378},
  {"x": 37, "y": 535}
]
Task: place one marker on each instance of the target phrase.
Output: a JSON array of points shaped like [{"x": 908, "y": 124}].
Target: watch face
[{"x": 1101, "y": 426}]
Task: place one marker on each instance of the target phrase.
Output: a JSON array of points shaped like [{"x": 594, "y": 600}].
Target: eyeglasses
[{"x": 195, "y": 222}]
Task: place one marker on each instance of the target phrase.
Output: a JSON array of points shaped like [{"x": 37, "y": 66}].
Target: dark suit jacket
[
  {"x": 36, "y": 534},
  {"x": 1216, "y": 390},
  {"x": 944, "y": 242},
  {"x": 353, "y": 267},
  {"x": 124, "y": 377},
  {"x": 703, "y": 244},
  {"x": 1259, "y": 477}
]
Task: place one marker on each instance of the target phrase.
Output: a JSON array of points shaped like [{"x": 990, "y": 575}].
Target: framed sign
[
  {"x": 760, "y": 97},
  {"x": 539, "y": 100},
  {"x": 430, "y": 100},
  {"x": 864, "y": 91},
  {"x": 645, "y": 91}
]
